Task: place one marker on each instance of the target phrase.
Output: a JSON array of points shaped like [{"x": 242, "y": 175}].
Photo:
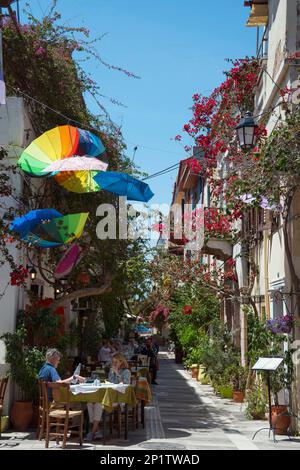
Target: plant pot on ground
[
  {"x": 203, "y": 378},
  {"x": 238, "y": 378},
  {"x": 21, "y": 415},
  {"x": 25, "y": 362},
  {"x": 195, "y": 371},
  {"x": 281, "y": 420},
  {"x": 238, "y": 397},
  {"x": 4, "y": 423}
]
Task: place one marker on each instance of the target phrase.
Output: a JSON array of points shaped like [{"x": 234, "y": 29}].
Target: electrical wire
[{"x": 69, "y": 120}]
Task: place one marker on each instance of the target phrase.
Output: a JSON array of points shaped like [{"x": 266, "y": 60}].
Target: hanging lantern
[
  {"x": 247, "y": 132},
  {"x": 187, "y": 310}
]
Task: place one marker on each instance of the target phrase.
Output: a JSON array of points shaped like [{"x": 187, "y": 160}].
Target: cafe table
[
  {"x": 141, "y": 371},
  {"x": 106, "y": 395}
]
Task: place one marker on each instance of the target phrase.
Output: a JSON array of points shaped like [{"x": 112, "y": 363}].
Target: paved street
[{"x": 183, "y": 415}]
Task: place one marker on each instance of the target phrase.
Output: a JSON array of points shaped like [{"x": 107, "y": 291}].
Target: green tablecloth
[{"x": 106, "y": 396}]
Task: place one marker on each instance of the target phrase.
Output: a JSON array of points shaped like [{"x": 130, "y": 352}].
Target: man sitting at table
[
  {"x": 48, "y": 372},
  {"x": 119, "y": 374}
]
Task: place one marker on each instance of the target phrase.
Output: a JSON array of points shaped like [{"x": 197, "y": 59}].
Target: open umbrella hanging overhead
[
  {"x": 57, "y": 144},
  {"x": 48, "y": 228},
  {"x": 24, "y": 224},
  {"x": 68, "y": 262},
  {"x": 62, "y": 230},
  {"x": 123, "y": 184}
]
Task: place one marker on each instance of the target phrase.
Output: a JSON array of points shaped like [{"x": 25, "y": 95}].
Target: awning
[{"x": 259, "y": 15}]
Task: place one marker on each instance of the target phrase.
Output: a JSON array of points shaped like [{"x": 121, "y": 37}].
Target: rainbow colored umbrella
[
  {"x": 57, "y": 144},
  {"x": 62, "y": 230},
  {"x": 123, "y": 184},
  {"x": 78, "y": 181}
]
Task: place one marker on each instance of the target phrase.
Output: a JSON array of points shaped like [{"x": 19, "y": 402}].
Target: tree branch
[{"x": 82, "y": 293}]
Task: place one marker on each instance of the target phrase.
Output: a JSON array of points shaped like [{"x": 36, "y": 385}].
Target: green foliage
[
  {"x": 24, "y": 361},
  {"x": 257, "y": 400}
]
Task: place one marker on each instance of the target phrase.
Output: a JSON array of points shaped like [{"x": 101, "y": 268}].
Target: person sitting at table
[
  {"x": 119, "y": 373},
  {"x": 48, "y": 372}
]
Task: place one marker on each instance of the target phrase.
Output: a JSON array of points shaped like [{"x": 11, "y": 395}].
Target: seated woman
[{"x": 119, "y": 373}]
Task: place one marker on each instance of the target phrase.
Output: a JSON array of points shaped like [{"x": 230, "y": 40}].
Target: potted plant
[
  {"x": 25, "y": 363},
  {"x": 238, "y": 379},
  {"x": 257, "y": 400},
  {"x": 281, "y": 419},
  {"x": 225, "y": 389}
]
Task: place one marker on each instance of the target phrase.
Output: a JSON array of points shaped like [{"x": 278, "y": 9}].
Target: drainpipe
[{"x": 266, "y": 269}]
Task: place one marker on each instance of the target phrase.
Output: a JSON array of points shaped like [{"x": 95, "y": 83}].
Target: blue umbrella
[
  {"x": 142, "y": 329},
  {"x": 25, "y": 224},
  {"x": 35, "y": 240},
  {"x": 123, "y": 184}
]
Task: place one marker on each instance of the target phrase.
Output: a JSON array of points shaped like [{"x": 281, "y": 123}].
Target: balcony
[{"x": 221, "y": 249}]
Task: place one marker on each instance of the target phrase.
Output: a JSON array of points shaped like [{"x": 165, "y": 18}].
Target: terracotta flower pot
[
  {"x": 280, "y": 421},
  {"x": 21, "y": 415},
  {"x": 35, "y": 416},
  {"x": 195, "y": 372},
  {"x": 238, "y": 397}
]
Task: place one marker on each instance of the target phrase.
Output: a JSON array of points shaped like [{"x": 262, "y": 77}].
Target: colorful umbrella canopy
[
  {"x": 23, "y": 225},
  {"x": 62, "y": 230},
  {"x": 123, "y": 184},
  {"x": 69, "y": 260},
  {"x": 78, "y": 181},
  {"x": 57, "y": 144},
  {"x": 76, "y": 164}
]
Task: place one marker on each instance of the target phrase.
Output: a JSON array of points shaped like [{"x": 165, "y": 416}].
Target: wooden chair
[
  {"x": 60, "y": 418},
  {"x": 3, "y": 385},
  {"x": 40, "y": 433}
]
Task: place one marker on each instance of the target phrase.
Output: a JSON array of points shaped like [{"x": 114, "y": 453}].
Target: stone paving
[{"x": 184, "y": 415}]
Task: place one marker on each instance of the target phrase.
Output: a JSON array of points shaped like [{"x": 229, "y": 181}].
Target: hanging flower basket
[{"x": 282, "y": 325}]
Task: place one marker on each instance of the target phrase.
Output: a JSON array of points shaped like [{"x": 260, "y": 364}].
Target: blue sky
[{"x": 178, "y": 48}]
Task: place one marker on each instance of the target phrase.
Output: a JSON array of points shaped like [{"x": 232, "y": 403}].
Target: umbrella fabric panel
[
  {"x": 68, "y": 262},
  {"x": 79, "y": 181},
  {"x": 23, "y": 225},
  {"x": 63, "y": 229},
  {"x": 123, "y": 184},
  {"x": 76, "y": 164},
  {"x": 89, "y": 144},
  {"x": 33, "y": 239}
]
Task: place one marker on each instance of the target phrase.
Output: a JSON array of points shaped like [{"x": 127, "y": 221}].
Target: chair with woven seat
[
  {"x": 3, "y": 385},
  {"x": 42, "y": 412},
  {"x": 59, "y": 416}
]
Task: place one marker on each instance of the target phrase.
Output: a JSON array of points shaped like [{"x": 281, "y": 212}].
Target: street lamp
[
  {"x": 32, "y": 272},
  {"x": 247, "y": 132}
]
